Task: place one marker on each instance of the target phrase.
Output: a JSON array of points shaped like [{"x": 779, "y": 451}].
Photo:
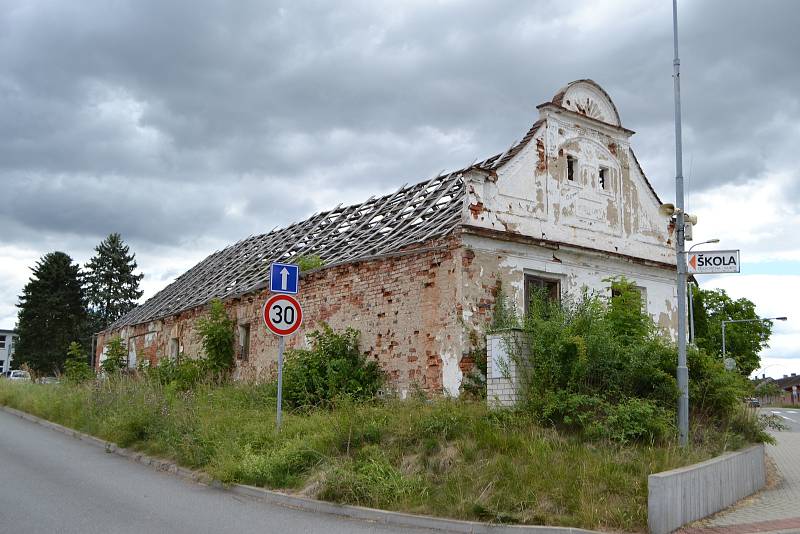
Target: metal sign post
[
  {"x": 281, "y": 345},
  {"x": 283, "y": 315}
]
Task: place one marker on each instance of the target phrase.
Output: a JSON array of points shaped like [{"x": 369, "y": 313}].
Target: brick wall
[{"x": 405, "y": 307}]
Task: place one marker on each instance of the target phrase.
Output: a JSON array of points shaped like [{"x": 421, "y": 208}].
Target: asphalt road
[
  {"x": 52, "y": 483},
  {"x": 789, "y": 417}
]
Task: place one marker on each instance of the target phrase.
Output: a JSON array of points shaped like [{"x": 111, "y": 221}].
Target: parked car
[
  {"x": 49, "y": 380},
  {"x": 753, "y": 402},
  {"x": 19, "y": 375}
]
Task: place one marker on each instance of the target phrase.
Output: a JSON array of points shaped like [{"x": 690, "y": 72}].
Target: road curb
[{"x": 300, "y": 503}]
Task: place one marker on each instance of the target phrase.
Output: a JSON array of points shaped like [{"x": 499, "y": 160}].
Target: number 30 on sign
[{"x": 283, "y": 315}]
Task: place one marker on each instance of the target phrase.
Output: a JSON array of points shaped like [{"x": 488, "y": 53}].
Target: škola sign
[{"x": 713, "y": 261}]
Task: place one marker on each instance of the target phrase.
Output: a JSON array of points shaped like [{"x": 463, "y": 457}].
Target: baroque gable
[{"x": 576, "y": 182}]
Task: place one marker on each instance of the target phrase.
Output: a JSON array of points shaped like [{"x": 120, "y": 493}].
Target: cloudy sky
[{"x": 187, "y": 125}]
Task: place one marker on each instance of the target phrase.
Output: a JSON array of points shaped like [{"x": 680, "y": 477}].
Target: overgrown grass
[{"x": 446, "y": 458}]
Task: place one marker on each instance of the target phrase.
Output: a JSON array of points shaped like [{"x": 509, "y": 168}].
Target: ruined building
[{"x": 416, "y": 271}]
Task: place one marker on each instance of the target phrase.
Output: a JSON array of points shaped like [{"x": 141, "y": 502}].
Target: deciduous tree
[{"x": 743, "y": 341}]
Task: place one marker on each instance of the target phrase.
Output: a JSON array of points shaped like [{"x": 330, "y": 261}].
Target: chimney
[
  {"x": 764, "y": 376},
  {"x": 785, "y": 376},
  {"x": 794, "y": 374}
]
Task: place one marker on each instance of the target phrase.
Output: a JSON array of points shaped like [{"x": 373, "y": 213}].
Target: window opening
[
  {"x": 174, "y": 348},
  {"x": 603, "y": 177},
  {"x": 2, "y": 342},
  {"x": 535, "y": 285},
  {"x": 244, "y": 341},
  {"x": 571, "y": 168},
  {"x": 639, "y": 289},
  {"x": 132, "y": 356}
]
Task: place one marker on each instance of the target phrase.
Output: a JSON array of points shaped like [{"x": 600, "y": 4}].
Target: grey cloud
[{"x": 172, "y": 121}]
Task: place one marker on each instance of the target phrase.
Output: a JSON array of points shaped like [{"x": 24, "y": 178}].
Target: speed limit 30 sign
[{"x": 283, "y": 315}]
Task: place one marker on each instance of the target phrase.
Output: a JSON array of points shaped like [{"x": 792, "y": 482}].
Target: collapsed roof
[{"x": 413, "y": 214}]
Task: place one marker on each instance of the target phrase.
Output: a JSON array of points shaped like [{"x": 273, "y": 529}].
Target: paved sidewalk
[{"x": 773, "y": 510}]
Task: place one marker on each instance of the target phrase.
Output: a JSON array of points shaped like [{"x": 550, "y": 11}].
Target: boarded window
[
  {"x": 537, "y": 286},
  {"x": 132, "y": 356},
  {"x": 244, "y": 341},
  {"x": 174, "y": 348}
]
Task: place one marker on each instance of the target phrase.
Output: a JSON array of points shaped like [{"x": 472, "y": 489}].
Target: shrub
[
  {"x": 600, "y": 367},
  {"x": 183, "y": 374},
  {"x": 216, "y": 332},
  {"x": 310, "y": 262},
  {"x": 115, "y": 356},
  {"x": 333, "y": 368},
  {"x": 76, "y": 369},
  {"x": 635, "y": 420}
]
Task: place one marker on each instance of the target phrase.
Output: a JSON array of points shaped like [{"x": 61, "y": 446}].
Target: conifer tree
[
  {"x": 51, "y": 313},
  {"x": 111, "y": 285}
]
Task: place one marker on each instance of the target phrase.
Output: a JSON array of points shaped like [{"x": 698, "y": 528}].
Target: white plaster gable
[
  {"x": 588, "y": 98},
  {"x": 532, "y": 195}
]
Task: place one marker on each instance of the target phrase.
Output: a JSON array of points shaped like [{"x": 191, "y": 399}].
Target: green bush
[
  {"x": 217, "y": 335},
  {"x": 182, "y": 375},
  {"x": 635, "y": 420},
  {"x": 76, "y": 369},
  {"x": 600, "y": 367},
  {"x": 309, "y": 263},
  {"x": 115, "y": 357},
  {"x": 333, "y": 368}
]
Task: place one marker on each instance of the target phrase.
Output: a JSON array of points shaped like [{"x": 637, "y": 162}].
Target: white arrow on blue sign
[{"x": 283, "y": 278}]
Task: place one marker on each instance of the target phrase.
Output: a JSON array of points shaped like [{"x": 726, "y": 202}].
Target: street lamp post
[
  {"x": 680, "y": 227},
  {"x": 744, "y": 321},
  {"x": 691, "y": 304}
]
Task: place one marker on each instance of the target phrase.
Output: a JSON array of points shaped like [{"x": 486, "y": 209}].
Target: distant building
[
  {"x": 417, "y": 271},
  {"x": 8, "y": 339},
  {"x": 789, "y": 387}
]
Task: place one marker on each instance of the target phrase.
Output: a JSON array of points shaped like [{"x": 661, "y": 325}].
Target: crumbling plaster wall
[
  {"x": 404, "y": 306},
  {"x": 531, "y": 195},
  {"x": 488, "y": 262}
]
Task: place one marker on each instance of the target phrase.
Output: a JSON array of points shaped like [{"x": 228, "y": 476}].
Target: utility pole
[{"x": 683, "y": 371}]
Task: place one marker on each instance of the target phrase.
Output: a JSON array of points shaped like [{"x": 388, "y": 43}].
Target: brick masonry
[{"x": 406, "y": 308}]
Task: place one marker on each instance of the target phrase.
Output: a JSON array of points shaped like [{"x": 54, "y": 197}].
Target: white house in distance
[{"x": 8, "y": 339}]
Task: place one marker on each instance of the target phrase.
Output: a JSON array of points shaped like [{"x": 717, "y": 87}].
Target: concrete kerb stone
[{"x": 302, "y": 503}]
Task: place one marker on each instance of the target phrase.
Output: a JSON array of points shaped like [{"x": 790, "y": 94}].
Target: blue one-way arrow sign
[{"x": 283, "y": 278}]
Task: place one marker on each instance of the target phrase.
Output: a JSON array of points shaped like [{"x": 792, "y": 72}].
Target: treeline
[{"x": 63, "y": 304}]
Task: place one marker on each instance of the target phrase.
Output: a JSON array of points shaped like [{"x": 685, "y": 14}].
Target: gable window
[
  {"x": 244, "y": 341},
  {"x": 603, "y": 178},
  {"x": 571, "y": 162},
  {"x": 546, "y": 287}
]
